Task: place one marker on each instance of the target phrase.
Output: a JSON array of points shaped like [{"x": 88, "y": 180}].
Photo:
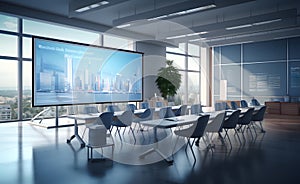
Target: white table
[{"x": 164, "y": 124}]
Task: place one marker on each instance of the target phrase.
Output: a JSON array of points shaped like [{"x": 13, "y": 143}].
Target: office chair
[
  {"x": 244, "y": 104},
  {"x": 259, "y": 116},
  {"x": 230, "y": 123},
  {"x": 113, "y": 108},
  {"x": 214, "y": 126},
  {"x": 181, "y": 111},
  {"x": 196, "y": 131},
  {"x": 245, "y": 121},
  {"x": 123, "y": 121},
  {"x": 145, "y": 105}
]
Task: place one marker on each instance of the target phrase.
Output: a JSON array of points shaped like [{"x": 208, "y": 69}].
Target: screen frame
[{"x": 33, "y": 87}]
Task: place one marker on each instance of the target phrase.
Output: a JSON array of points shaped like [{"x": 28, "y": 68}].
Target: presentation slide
[{"x": 66, "y": 73}]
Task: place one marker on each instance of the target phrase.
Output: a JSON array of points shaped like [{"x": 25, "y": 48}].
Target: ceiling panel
[{"x": 215, "y": 20}]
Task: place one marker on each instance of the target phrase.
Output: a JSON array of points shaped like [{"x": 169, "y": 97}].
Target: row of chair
[
  {"x": 235, "y": 121},
  {"x": 234, "y": 105}
]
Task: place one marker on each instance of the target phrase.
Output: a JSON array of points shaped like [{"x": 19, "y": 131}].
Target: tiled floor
[{"x": 32, "y": 154}]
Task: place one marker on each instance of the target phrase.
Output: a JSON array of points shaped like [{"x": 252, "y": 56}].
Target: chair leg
[
  {"x": 226, "y": 135},
  {"x": 249, "y": 128},
  {"x": 133, "y": 134},
  {"x": 253, "y": 125},
  {"x": 191, "y": 147},
  {"x": 261, "y": 127},
  {"x": 118, "y": 130},
  {"x": 238, "y": 136}
]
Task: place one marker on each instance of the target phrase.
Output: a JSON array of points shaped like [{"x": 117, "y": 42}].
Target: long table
[
  {"x": 92, "y": 117},
  {"x": 165, "y": 124},
  {"x": 89, "y": 118}
]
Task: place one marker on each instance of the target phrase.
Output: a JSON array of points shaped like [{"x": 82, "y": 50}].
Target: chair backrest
[
  {"x": 90, "y": 109},
  {"x": 125, "y": 118},
  {"x": 145, "y": 105},
  {"x": 146, "y": 115},
  {"x": 106, "y": 118},
  {"x": 234, "y": 105},
  {"x": 218, "y": 106},
  {"x": 196, "y": 109},
  {"x": 131, "y": 107},
  {"x": 255, "y": 102},
  {"x": 181, "y": 111},
  {"x": 166, "y": 112},
  {"x": 158, "y": 104},
  {"x": 200, "y": 126},
  {"x": 216, "y": 124},
  {"x": 259, "y": 115},
  {"x": 232, "y": 120},
  {"x": 244, "y": 103},
  {"x": 113, "y": 108},
  {"x": 246, "y": 118}
]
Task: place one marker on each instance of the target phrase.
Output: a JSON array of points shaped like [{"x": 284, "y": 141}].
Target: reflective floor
[{"x": 32, "y": 154}]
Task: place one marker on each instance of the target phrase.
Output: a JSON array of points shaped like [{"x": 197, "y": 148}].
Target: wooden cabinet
[
  {"x": 273, "y": 107},
  {"x": 286, "y": 108}
]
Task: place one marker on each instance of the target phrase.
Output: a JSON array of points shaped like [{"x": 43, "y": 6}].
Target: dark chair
[
  {"x": 106, "y": 119},
  {"x": 245, "y": 121},
  {"x": 113, "y": 108},
  {"x": 230, "y": 123},
  {"x": 196, "y": 109},
  {"x": 234, "y": 105},
  {"x": 255, "y": 102},
  {"x": 181, "y": 111},
  {"x": 196, "y": 131},
  {"x": 123, "y": 121},
  {"x": 131, "y": 107},
  {"x": 244, "y": 104},
  {"x": 218, "y": 106},
  {"x": 158, "y": 104},
  {"x": 259, "y": 116},
  {"x": 144, "y": 105},
  {"x": 146, "y": 115}
]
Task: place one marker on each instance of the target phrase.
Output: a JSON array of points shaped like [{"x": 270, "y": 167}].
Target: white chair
[{"x": 214, "y": 126}]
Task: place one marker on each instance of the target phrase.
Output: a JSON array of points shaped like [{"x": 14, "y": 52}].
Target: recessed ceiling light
[
  {"x": 238, "y": 27},
  {"x": 123, "y": 25},
  {"x": 183, "y": 12},
  {"x": 83, "y": 9},
  {"x": 92, "y": 6},
  {"x": 266, "y": 22}
]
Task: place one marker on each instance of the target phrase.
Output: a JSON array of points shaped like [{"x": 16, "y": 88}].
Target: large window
[
  {"x": 8, "y": 90},
  {"x": 187, "y": 59},
  {"x": 11, "y": 36}
]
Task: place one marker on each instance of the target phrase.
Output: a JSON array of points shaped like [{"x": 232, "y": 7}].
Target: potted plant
[{"x": 168, "y": 80}]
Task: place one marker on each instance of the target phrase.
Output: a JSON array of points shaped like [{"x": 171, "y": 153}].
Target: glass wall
[
  {"x": 10, "y": 56},
  {"x": 187, "y": 59}
]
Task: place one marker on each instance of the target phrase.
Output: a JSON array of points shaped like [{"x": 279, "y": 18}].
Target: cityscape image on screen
[{"x": 66, "y": 73}]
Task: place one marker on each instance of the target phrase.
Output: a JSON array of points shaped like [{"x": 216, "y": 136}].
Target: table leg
[
  {"x": 82, "y": 143},
  {"x": 155, "y": 149}
]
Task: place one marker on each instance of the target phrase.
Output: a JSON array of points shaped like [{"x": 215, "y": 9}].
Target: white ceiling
[{"x": 261, "y": 19}]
